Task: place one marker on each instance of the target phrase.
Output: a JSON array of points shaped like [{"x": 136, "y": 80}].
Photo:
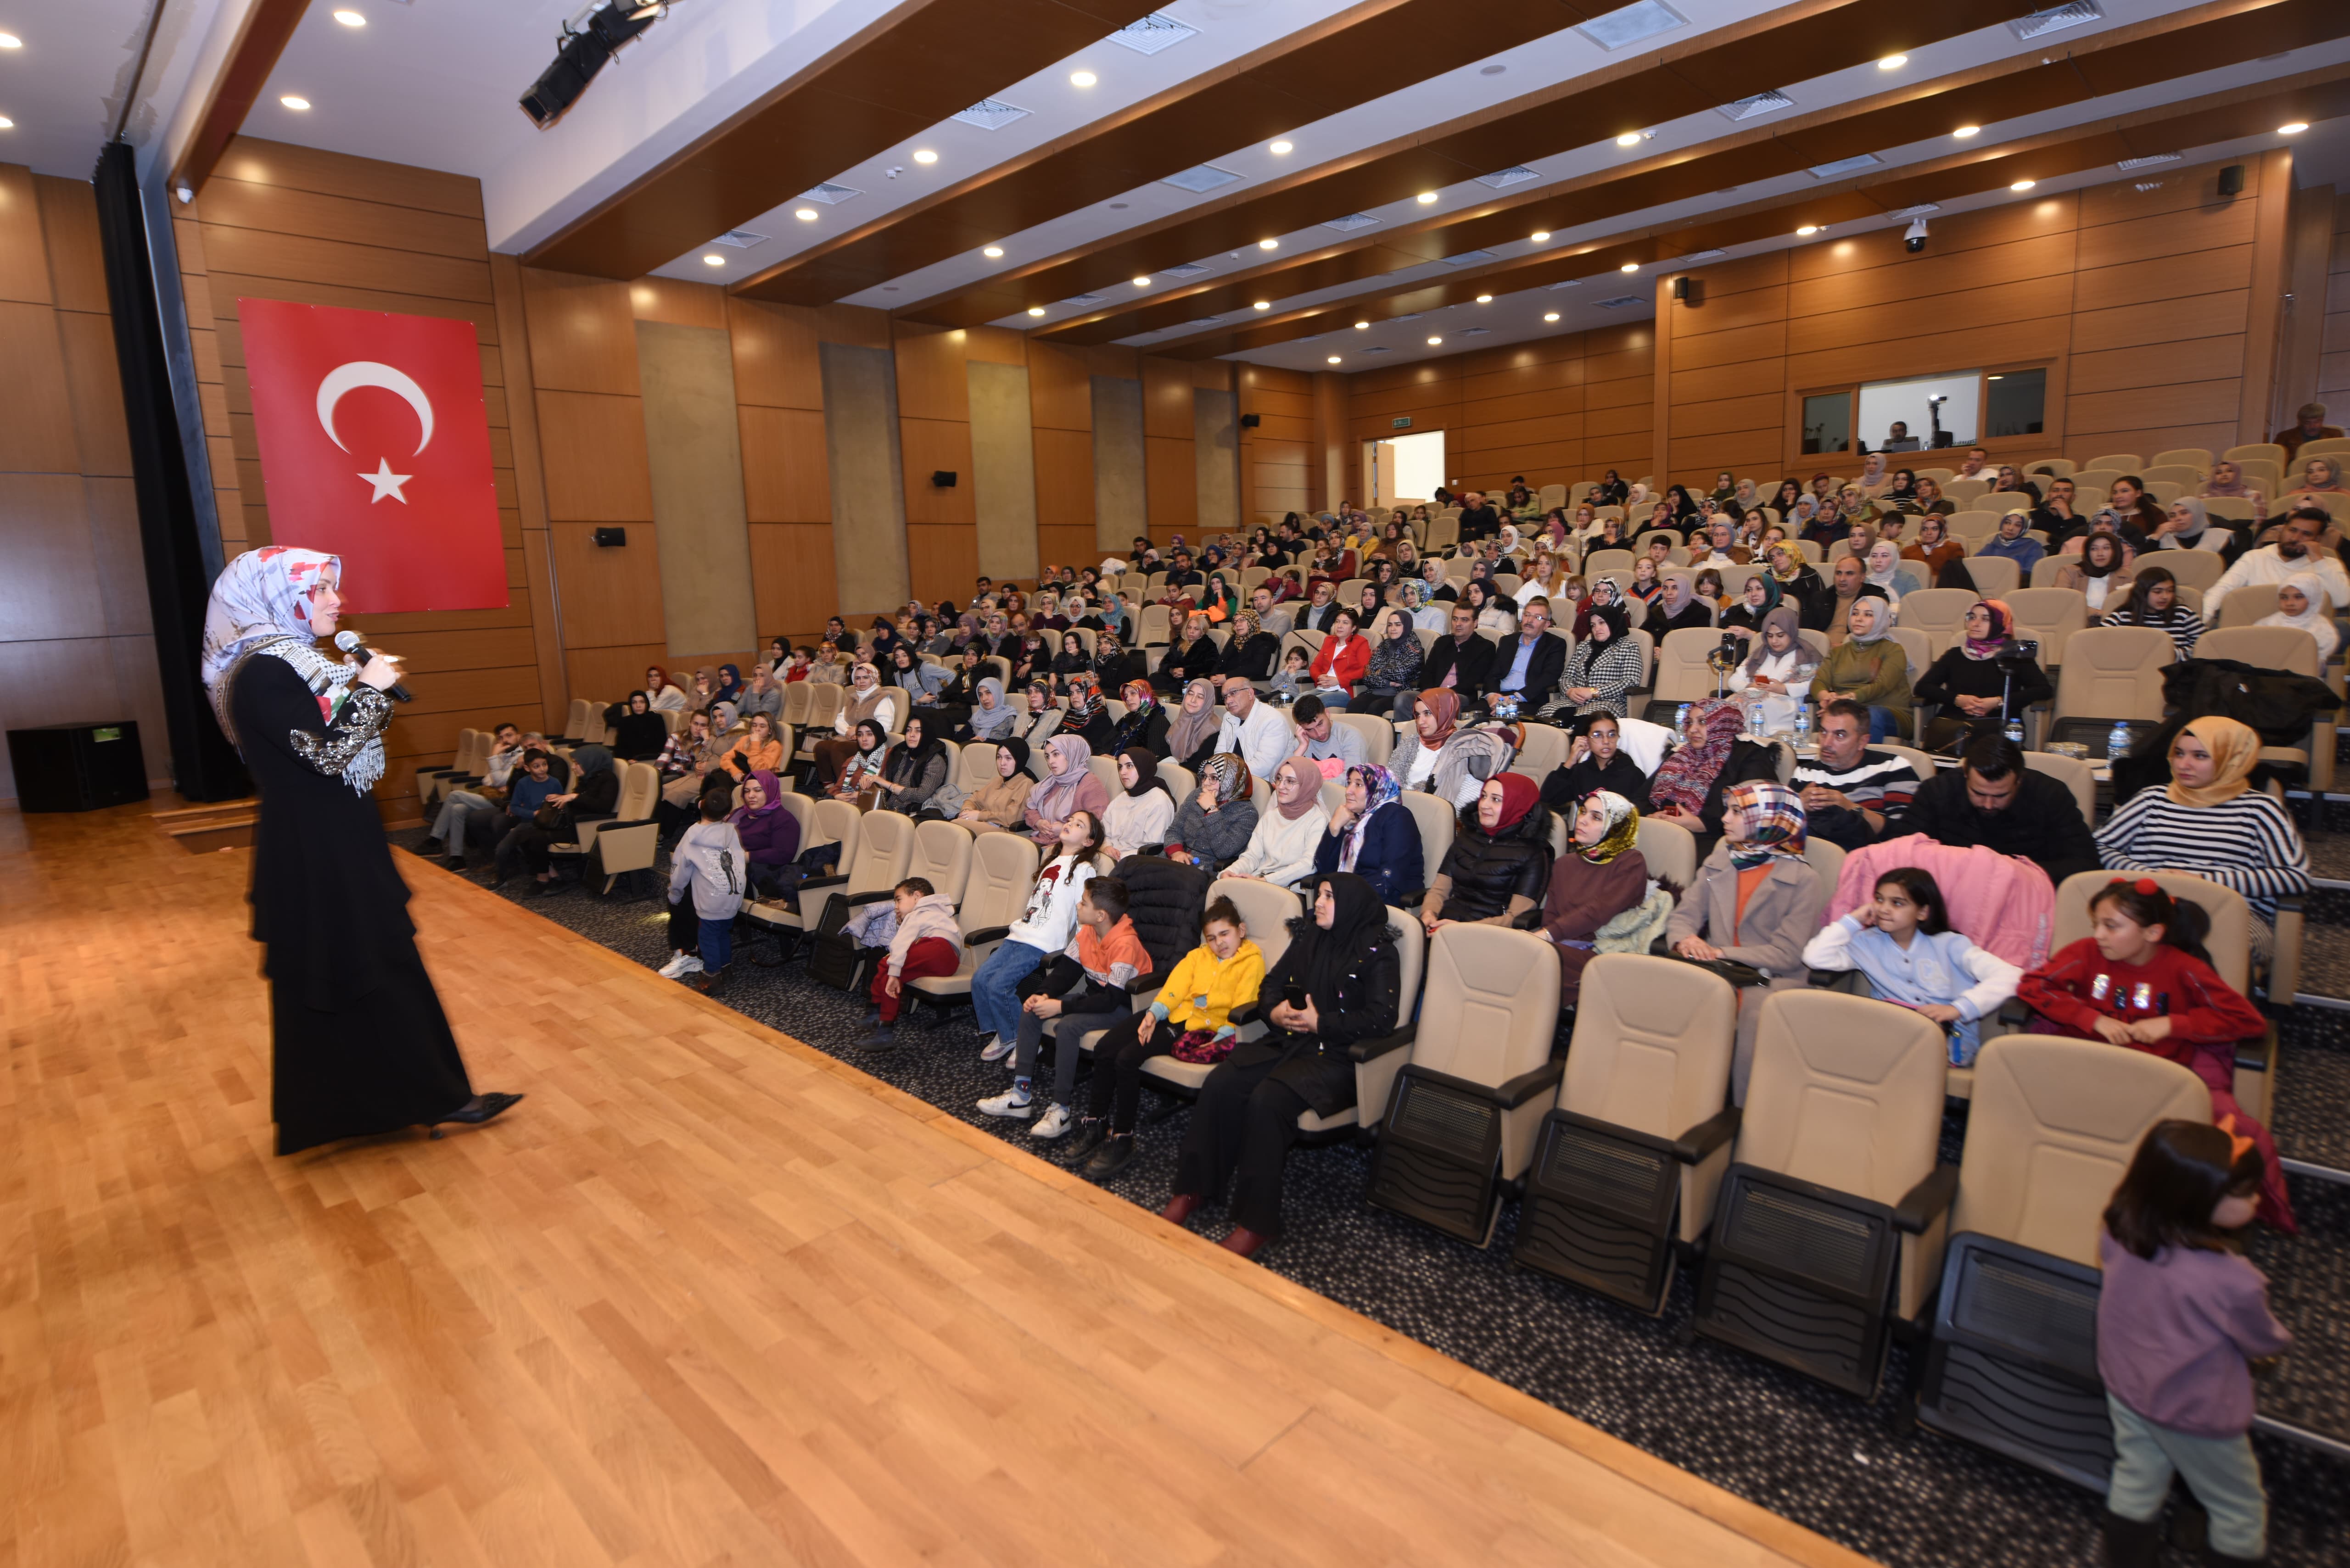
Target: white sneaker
[
  {"x": 1011, "y": 1103},
  {"x": 1052, "y": 1122},
  {"x": 998, "y": 1049},
  {"x": 692, "y": 965},
  {"x": 675, "y": 967}
]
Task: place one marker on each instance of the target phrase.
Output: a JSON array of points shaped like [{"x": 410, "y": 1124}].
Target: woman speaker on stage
[{"x": 359, "y": 1042}]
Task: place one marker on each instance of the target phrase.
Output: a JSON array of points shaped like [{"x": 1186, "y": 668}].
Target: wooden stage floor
[{"x": 708, "y": 1297}]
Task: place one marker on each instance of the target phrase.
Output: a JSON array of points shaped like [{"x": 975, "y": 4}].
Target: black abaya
[{"x": 360, "y": 1044}]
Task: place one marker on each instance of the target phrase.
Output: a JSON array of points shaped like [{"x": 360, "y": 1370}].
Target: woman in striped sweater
[
  {"x": 2210, "y": 822},
  {"x": 2154, "y": 601}
]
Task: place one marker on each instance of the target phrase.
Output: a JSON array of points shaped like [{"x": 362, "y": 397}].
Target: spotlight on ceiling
[
  {"x": 1629, "y": 266},
  {"x": 1282, "y": 148},
  {"x": 1268, "y": 244},
  {"x": 1263, "y": 305},
  {"x": 1333, "y": 358},
  {"x": 1035, "y": 310},
  {"x": 10, "y": 41},
  {"x": 1142, "y": 283},
  {"x": 2294, "y": 129},
  {"x": 805, "y": 214},
  {"x": 924, "y": 155},
  {"x": 1550, "y": 316},
  {"x": 1966, "y": 130},
  {"x": 1434, "y": 341},
  {"x": 1807, "y": 229},
  {"x": 293, "y": 101},
  {"x": 1484, "y": 299},
  {"x": 1892, "y": 62},
  {"x": 1540, "y": 236},
  {"x": 1427, "y": 197},
  {"x": 350, "y": 18},
  {"x": 1630, "y": 139},
  {"x": 585, "y": 45},
  {"x": 2024, "y": 185},
  {"x": 714, "y": 260},
  {"x": 993, "y": 253},
  {"x": 1362, "y": 326},
  {"x": 1082, "y": 78}
]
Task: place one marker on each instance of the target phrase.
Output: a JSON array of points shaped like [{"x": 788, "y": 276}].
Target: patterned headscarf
[
  {"x": 1687, "y": 777},
  {"x": 1085, "y": 701},
  {"x": 1623, "y": 826},
  {"x": 2003, "y": 621},
  {"x": 260, "y": 603},
  {"x": 1379, "y": 788},
  {"x": 1766, "y": 818},
  {"x": 1230, "y": 775}
]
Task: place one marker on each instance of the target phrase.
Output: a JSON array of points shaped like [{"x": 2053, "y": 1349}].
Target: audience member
[
  {"x": 2013, "y": 544},
  {"x": 1281, "y": 849},
  {"x": 925, "y": 943},
  {"x": 1193, "y": 656},
  {"x": 1192, "y": 729},
  {"x": 1343, "y": 959},
  {"x": 1046, "y": 927},
  {"x": 1068, "y": 789},
  {"x": 1500, "y": 860},
  {"x": 915, "y": 770},
  {"x": 639, "y": 734},
  {"x": 2302, "y": 605},
  {"x": 2308, "y": 425},
  {"x": 535, "y": 786},
  {"x": 758, "y": 747},
  {"x": 1757, "y": 902},
  {"x": 2295, "y": 552},
  {"x": 1985, "y": 677},
  {"x": 497, "y": 775},
  {"x": 1145, "y": 723},
  {"x": 1078, "y": 990},
  {"x": 1775, "y": 677},
  {"x": 2210, "y": 822},
  {"x": 1530, "y": 664},
  {"x": 1901, "y": 941},
  {"x": 1249, "y": 653},
  {"x": 1215, "y": 825},
  {"x": 860, "y": 779},
  {"x": 1602, "y": 670},
  {"x": 2097, "y": 572},
  {"x": 2154, "y": 602},
  {"x": 1000, "y": 805},
  {"x": 1691, "y": 786},
  {"x": 1256, "y": 729},
  {"x": 1461, "y": 661},
  {"x": 1869, "y": 668},
  {"x": 1331, "y": 746},
  {"x": 1853, "y": 793},
  {"x": 769, "y": 836},
  {"x": 1374, "y": 836},
  {"x": 1601, "y": 876},
  {"x": 1340, "y": 662},
  {"x": 705, "y": 892},
  {"x": 1142, "y": 813},
  {"x": 1887, "y": 573},
  {"x": 1395, "y": 665},
  {"x": 1994, "y": 800},
  {"x": 2188, "y": 524},
  {"x": 1597, "y": 760},
  {"x": 867, "y": 699}
]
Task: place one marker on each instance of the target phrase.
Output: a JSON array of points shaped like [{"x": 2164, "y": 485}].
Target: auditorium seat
[
  {"x": 2012, "y": 1364},
  {"x": 829, "y": 822},
  {"x": 626, "y": 842},
  {"x": 1477, "y": 1081},
  {"x": 1995, "y": 576},
  {"x": 1830, "y": 1222},
  {"x": 1438, "y": 821},
  {"x": 1940, "y": 614},
  {"x": 2111, "y": 674},
  {"x": 943, "y": 854},
  {"x": 870, "y": 869},
  {"x": 2280, "y": 647},
  {"x": 1629, "y": 1160},
  {"x": 432, "y": 783},
  {"x": 1002, "y": 872}
]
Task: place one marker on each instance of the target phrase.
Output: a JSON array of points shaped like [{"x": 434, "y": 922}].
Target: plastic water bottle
[
  {"x": 2013, "y": 730},
  {"x": 1754, "y": 722},
  {"x": 2117, "y": 741},
  {"x": 1802, "y": 722},
  {"x": 1680, "y": 720}
]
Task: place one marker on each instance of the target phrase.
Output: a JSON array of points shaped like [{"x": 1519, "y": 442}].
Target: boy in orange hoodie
[{"x": 1081, "y": 988}]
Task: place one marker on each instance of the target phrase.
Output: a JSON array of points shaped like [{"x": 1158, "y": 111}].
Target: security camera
[{"x": 1913, "y": 238}]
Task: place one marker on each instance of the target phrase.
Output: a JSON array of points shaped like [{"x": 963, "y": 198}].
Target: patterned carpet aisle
[{"x": 1800, "y": 1449}]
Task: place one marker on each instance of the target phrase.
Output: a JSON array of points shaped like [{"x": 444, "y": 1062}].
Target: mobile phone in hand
[{"x": 1295, "y": 994}]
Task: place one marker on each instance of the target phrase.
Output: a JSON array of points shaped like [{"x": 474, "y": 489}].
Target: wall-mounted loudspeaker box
[
  {"x": 2231, "y": 180},
  {"x": 1250, "y": 422},
  {"x": 943, "y": 479},
  {"x": 610, "y": 536},
  {"x": 1688, "y": 290}
]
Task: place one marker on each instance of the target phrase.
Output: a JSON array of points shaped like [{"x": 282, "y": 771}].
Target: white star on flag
[{"x": 386, "y": 482}]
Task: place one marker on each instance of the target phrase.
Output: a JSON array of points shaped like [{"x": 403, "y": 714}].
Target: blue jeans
[
  {"x": 716, "y": 939},
  {"x": 995, "y": 994},
  {"x": 1884, "y": 723},
  {"x": 2222, "y": 1473}
]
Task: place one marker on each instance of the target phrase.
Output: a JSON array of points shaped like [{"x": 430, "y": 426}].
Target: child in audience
[
  {"x": 2144, "y": 980},
  {"x": 1295, "y": 676},
  {"x": 1192, "y": 1019},
  {"x": 706, "y": 884},
  {"x": 1044, "y": 928},
  {"x": 1903, "y": 943},
  {"x": 925, "y": 940},
  {"x": 1079, "y": 989},
  {"x": 2182, "y": 1320}
]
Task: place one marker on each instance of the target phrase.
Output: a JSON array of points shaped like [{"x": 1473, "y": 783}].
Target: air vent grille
[
  {"x": 1760, "y": 103},
  {"x": 1155, "y": 32},
  {"x": 1843, "y": 166},
  {"x": 2055, "y": 19},
  {"x": 2151, "y": 161},
  {"x": 1502, "y": 179},
  {"x": 1621, "y": 302},
  {"x": 991, "y": 114},
  {"x": 830, "y": 194},
  {"x": 1351, "y": 222},
  {"x": 1189, "y": 269},
  {"x": 1469, "y": 258},
  {"x": 1201, "y": 178},
  {"x": 741, "y": 239},
  {"x": 1620, "y": 29}
]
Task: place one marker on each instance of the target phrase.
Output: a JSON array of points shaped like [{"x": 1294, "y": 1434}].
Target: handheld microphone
[{"x": 349, "y": 641}]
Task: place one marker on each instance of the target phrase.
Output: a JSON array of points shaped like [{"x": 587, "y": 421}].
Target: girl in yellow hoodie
[{"x": 1192, "y": 1017}]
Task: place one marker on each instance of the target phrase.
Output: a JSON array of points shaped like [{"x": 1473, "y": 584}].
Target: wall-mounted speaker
[
  {"x": 2231, "y": 180},
  {"x": 944, "y": 479},
  {"x": 1250, "y": 422},
  {"x": 610, "y": 537},
  {"x": 1688, "y": 290}
]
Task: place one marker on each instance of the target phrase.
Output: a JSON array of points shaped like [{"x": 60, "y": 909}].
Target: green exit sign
[{"x": 1402, "y": 424}]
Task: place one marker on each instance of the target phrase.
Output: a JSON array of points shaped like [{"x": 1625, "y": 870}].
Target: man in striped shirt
[{"x": 1853, "y": 791}]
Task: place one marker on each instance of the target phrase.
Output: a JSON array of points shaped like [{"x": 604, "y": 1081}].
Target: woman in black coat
[
  {"x": 1345, "y": 961},
  {"x": 1596, "y": 761},
  {"x": 1192, "y": 658},
  {"x": 1498, "y": 864},
  {"x": 1969, "y": 682},
  {"x": 641, "y": 734},
  {"x": 360, "y": 1044},
  {"x": 1249, "y": 653}
]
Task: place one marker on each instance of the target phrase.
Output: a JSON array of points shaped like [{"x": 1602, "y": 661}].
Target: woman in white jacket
[
  {"x": 1281, "y": 848},
  {"x": 1776, "y": 675}
]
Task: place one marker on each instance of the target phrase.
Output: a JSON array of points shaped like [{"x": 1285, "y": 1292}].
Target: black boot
[
  {"x": 2129, "y": 1543},
  {"x": 1091, "y": 1132},
  {"x": 1113, "y": 1155}
]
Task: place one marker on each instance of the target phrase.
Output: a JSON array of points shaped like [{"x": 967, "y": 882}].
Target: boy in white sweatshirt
[{"x": 710, "y": 861}]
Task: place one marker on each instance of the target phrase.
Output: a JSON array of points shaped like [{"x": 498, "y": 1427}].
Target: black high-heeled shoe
[{"x": 484, "y": 1108}]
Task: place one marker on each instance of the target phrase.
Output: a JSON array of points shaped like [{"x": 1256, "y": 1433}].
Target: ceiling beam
[
  {"x": 2162, "y": 50},
  {"x": 2310, "y": 96},
  {"x": 1344, "y": 61},
  {"x": 910, "y": 69},
  {"x": 261, "y": 37},
  {"x": 1789, "y": 45}
]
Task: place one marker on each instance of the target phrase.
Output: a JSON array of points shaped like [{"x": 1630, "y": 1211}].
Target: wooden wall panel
[
  {"x": 2332, "y": 379},
  {"x": 792, "y": 579}
]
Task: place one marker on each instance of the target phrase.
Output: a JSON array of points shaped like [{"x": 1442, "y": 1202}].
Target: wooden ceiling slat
[
  {"x": 2313, "y": 96},
  {"x": 1791, "y": 44},
  {"x": 2155, "y": 51},
  {"x": 1354, "y": 58},
  {"x": 913, "y": 68}
]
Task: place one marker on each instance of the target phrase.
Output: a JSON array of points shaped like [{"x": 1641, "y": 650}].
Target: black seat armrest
[
  {"x": 2015, "y": 1012},
  {"x": 857, "y": 898},
  {"x": 1707, "y": 1136},
  {"x": 1245, "y": 1012},
  {"x": 835, "y": 881},
  {"x": 1144, "y": 984},
  {"x": 1827, "y": 977},
  {"x": 1378, "y": 1045},
  {"x": 1526, "y": 1085},
  {"x": 1923, "y": 1203},
  {"x": 972, "y": 938}
]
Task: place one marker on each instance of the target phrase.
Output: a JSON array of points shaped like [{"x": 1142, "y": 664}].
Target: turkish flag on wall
[{"x": 375, "y": 446}]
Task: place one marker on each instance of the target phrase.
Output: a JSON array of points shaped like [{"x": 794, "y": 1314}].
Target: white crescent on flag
[{"x": 361, "y": 373}]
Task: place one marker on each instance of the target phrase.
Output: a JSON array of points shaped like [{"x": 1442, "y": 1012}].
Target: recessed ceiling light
[
  {"x": 805, "y": 214},
  {"x": 714, "y": 261},
  {"x": 1966, "y": 130},
  {"x": 10, "y": 41},
  {"x": 1434, "y": 341},
  {"x": 993, "y": 253},
  {"x": 1268, "y": 244},
  {"x": 1333, "y": 358},
  {"x": 1808, "y": 229},
  {"x": 2295, "y": 128},
  {"x": 7, "y": 123},
  {"x": 1550, "y": 316},
  {"x": 1281, "y": 149},
  {"x": 1082, "y": 78},
  {"x": 1361, "y": 326},
  {"x": 1427, "y": 197},
  {"x": 1630, "y": 139},
  {"x": 1629, "y": 266},
  {"x": 925, "y": 155},
  {"x": 291, "y": 101},
  {"x": 1142, "y": 283},
  {"x": 1264, "y": 305},
  {"x": 1539, "y": 235},
  {"x": 1892, "y": 62},
  {"x": 350, "y": 18},
  {"x": 1035, "y": 310},
  {"x": 2022, "y": 185},
  {"x": 1484, "y": 299}
]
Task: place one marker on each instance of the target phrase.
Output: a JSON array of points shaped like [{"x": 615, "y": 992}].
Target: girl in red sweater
[{"x": 2144, "y": 980}]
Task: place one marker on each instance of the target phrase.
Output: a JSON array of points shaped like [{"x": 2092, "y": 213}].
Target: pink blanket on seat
[{"x": 2005, "y": 904}]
